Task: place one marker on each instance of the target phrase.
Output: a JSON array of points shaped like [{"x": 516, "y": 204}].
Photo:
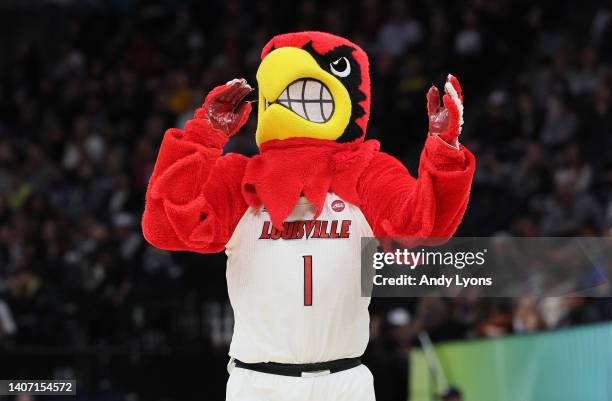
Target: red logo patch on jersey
[{"x": 337, "y": 205}]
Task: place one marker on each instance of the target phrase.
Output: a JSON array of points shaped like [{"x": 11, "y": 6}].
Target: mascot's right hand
[{"x": 225, "y": 106}]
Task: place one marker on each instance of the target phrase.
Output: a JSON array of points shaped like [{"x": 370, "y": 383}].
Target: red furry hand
[
  {"x": 446, "y": 121},
  {"x": 226, "y": 108}
]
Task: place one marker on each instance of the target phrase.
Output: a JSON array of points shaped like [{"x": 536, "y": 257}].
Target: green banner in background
[{"x": 563, "y": 365}]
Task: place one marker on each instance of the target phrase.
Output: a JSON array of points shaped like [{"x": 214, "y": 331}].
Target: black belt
[{"x": 301, "y": 370}]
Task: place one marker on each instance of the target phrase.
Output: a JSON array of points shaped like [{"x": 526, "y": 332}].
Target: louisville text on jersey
[{"x": 307, "y": 229}]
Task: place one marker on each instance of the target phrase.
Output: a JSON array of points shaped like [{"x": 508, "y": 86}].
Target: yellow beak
[{"x": 297, "y": 98}]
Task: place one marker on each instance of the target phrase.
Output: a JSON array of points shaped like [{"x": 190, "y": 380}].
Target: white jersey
[{"x": 296, "y": 294}]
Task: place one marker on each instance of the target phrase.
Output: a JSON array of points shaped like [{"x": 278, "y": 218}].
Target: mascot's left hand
[{"x": 446, "y": 121}]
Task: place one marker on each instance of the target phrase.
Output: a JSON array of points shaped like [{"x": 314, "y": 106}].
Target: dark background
[{"x": 87, "y": 89}]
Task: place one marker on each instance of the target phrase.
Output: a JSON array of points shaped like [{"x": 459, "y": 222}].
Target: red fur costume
[{"x": 196, "y": 195}]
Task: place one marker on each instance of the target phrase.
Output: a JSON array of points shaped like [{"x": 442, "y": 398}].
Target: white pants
[{"x": 356, "y": 384}]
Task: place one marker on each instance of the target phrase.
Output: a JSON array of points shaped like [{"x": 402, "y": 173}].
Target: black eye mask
[{"x": 351, "y": 82}]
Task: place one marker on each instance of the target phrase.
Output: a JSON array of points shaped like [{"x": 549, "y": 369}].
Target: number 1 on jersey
[{"x": 307, "y": 280}]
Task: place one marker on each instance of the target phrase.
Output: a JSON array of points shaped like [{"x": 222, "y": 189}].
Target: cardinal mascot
[{"x": 291, "y": 218}]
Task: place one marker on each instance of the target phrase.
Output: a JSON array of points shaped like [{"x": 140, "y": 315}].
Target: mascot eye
[{"x": 341, "y": 67}]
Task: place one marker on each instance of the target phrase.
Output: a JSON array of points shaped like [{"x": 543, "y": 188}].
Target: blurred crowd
[{"x": 88, "y": 87}]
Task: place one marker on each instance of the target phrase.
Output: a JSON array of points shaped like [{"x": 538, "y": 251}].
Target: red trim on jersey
[{"x": 307, "y": 280}]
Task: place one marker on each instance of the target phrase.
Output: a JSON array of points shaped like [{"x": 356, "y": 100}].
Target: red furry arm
[
  {"x": 193, "y": 200},
  {"x": 396, "y": 204}
]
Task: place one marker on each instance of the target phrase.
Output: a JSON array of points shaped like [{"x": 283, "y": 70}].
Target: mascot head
[{"x": 312, "y": 85}]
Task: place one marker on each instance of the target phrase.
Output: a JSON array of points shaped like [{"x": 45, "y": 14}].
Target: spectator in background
[
  {"x": 532, "y": 174},
  {"x": 601, "y": 31},
  {"x": 468, "y": 41},
  {"x": 8, "y": 328},
  {"x": 436, "y": 317},
  {"x": 526, "y": 317},
  {"x": 606, "y": 185},
  {"x": 560, "y": 123},
  {"x": 496, "y": 319},
  {"x": 586, "y": 78},
  {"x": 566, "y": 210},
  {"x": 598, "y": 124},
  {"x": 391, "y": 338},
  {"x": 573, "y": 167},
  {"x": 497, "y": 125},
  {"x": 452, "y": 394},
  {"x": 468, "y": 48},
  {"x": 402, "y": 33}
]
